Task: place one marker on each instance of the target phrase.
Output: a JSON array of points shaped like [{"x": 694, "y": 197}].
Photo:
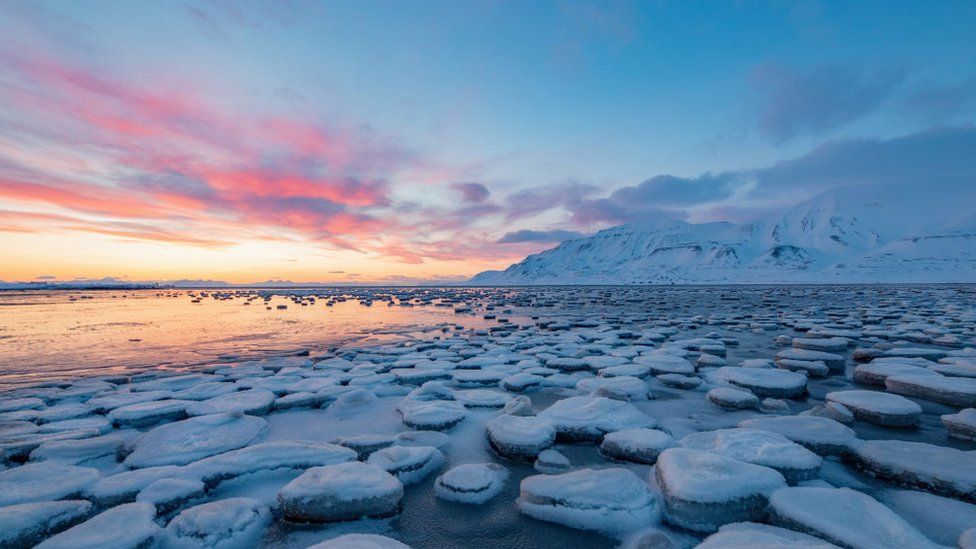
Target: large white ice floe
[
  {"x": 168, "y": 494},
  {"x": 879, "y": 408},
  {"x": 937, "y": 469},
  {"x": 186, "y": 441},
  {"x": 268, "y": 456},
  {"x": 360, "y": 541},
  {"x": 221, "y": 524},
  {"x": 78, "y": 451},
  {"x": 409, "y": 464},
  {"x": 520, "y": 437},
  {"x": 348, "y": 491},
  {"x": 611, "y": 500},
  {"x": 255, "y": 402},
  {"x": 636, "y": 445},
  {"x": 819, "y": 434},
  {"x": 473, "y": 483},
  {"x": 433, "y": 415},
  {"x": 43, "y": 482},
  {"x": 764, "y": 382},
  {"x": 588, "y": 418},
  {"x": 126, "y": 526},
  {"x": 752, "y": 535},
  {"x": 25, "y": 524},
  {"x": 148, "y": 413},
  {"x": 703, "y": 491},
  {"x": 773, "y": 450},
  {"x": 954, "y": 391},
  {"x": 845, "y": 517}
]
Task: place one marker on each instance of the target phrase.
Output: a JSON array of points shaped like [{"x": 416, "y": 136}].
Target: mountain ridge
[{"x": 846, "y": 234}]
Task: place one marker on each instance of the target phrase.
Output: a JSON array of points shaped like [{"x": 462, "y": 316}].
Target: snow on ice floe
[
  {"x": 473, "y": 483},
  {"x": 587, "y": 418},
  {"x": 609, "y": 500},
  {"x": 845, "y": 517},
  {"x": 255, "y": 402},
  {"x": 703, "y": 491},
  {"x": 347, "y": 491},
  {"x": 734, "y": 399},
  {"x": 962, "y": 424},
  {"x": 937, "y": 469},
  {"x": 26, "y": 524},
  {"x": 764, "y": 382},
  {"x": 520, "y": 437},
  {"x": 409, "y": 464},
  {"x": 636, "y": 445},
  {"x": 44, "y": 481},
  {"x": 821, "y": 435},
  {"x": 954, "y": 391},
  {"x": 122, "y": 527},
  {"x": 773, "y": 450},
  {"x": 360, "y": 541},
  {"x": 750, "y": 535},
  {"x": 877, "y": 407},
  {"x": 221, "y": 524},
  {"x": 191, "y": 439}
]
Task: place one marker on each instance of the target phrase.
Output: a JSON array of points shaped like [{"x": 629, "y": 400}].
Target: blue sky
[{"x": 559, "y": 104}]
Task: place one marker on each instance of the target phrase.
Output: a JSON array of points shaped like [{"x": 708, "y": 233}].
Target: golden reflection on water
[{"x": 45, "y": 335}]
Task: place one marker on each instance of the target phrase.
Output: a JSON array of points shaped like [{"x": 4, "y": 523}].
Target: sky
[{"x": 401, "y": 142}]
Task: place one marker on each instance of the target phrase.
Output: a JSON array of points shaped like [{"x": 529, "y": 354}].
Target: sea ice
[
  {"x": 520, "y": 437},
  {"x": 588, "y": 418},
  {"x": 636, "y": 445},
  {"x": 473, "y": 483},
  {"x": 255, "y": 402},
  {"x": 348, "y": 491},
  {"x": 44, "y": 481},
  {"x": 409, "y": 464},
  {"x": 221, "y": 524},
  {"x": 703, "y": 491},
  {"x": 954, "y": 391},
  {"x": 186, "y": 441},
  {"x": 26, "y": 524},
  {"x": 609, "y": 500},
  {"x": 822, "y": 435},
  {"x": 961, "y": 425},
  {"x": 124, "y": 527},
  {"x": 733, "y": 399},
  {"x": 773, "y": 450},
  {"x": 360, "y": 541},
  {"x": 879, "y": 408},
  {"x": 845, "y": 517},
  {"x": 751, "y": 535},
  {"x": 937, "y": 469},
  {"x": 764, "y": 382}
]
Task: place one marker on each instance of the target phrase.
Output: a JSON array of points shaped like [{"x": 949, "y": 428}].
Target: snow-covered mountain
[{"x": 857, "y": 234}]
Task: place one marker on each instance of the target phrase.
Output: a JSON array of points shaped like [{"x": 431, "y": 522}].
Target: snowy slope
[{"x": 862, "y": 234}]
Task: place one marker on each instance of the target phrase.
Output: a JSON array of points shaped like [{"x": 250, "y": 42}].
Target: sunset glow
[{"x": 324, "y": 142}]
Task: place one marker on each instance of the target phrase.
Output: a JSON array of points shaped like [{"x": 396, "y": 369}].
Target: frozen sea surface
[{"x": 193, "y": 432}]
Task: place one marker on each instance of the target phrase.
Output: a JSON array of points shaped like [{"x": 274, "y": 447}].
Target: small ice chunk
[
  {"x": 348, "y": 491},
  {"x": 364, "y": 445},
  {"x": 733, "y": 399},
  {"x": 660, "y": 362},
  {"x": 434, "y": 415},
  {"x": 551, "y": 462},
  {"x": 520, "y": 437},
  {"x": 877, "y": 407},
  {"x": 78, "y": 451},
  {"x": 845, "y": 517},
  {"x": 221, "y": 524},
  {"x": 126, "y": 526},
  {"x": 519, "y": 405},
  {"x": 409, "y": 464},
  {"x": 679, "y": 381},
  {"x": 267, "y": 456},
  {"x": 703, "y": 491},
  {"x": 611, "y": 500},
  {"x": 186, "y": 441},
  {"x": 473, "y": 483},
  {"x": 168, "y": 494},
  {"x": 521, "y": 382},
  {"x": 636, "y": 445},
  {"x": 961, "y": 425},
  {"x": 482, "y": 398},
  {"x": 622, "y": 388}
]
